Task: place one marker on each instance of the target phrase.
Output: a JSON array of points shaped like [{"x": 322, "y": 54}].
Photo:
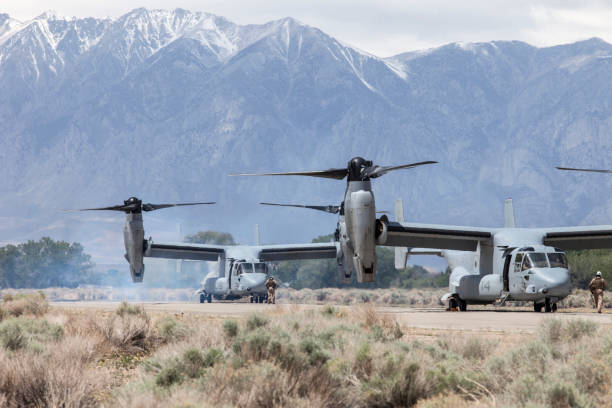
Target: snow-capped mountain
[{"x": 164, "y": 104}]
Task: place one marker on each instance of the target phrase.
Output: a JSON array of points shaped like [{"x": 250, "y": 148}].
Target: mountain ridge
[{"x": 163, "y": 104}]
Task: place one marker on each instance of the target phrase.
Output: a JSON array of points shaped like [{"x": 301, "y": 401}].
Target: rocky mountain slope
[{"x": 164, "y": 104}]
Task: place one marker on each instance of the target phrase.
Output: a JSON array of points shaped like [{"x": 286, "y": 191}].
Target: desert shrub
[
  {"x": 363, "y": 361},
  {"x": 170, "y": 330},
  {"x": 169, "y": 376},
  {"x": 311, "y": 347},
  {"x": 61, "y": 377},
  {"x": 34, "y": 304},
  {"x": 577, "y": 328},
  {"x": 127, "y": 332},
  {"x": 125, "y": 309},
  {"x": 328, "y": 310},
  {"x": 552, "y": 330},
  {"x": 256, "y": 321},
  {"x": 230, "y": 328},
  {"x": 400, "y": 387},
  {"x": 255, "y": 345},
  {"x": 475, "y": 349},
  {"x": 563, "y": 396},
  {"x": 18, "y": 333}
]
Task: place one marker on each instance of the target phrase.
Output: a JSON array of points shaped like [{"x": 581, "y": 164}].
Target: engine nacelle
[
  {"x": 135, "y": 245},
  {"x": 380, "y": 230}
]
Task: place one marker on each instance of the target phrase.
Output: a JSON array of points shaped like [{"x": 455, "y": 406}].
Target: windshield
[
  {"x": 261, "y": 268},
  {"x": 557, "y": 260},
  {"x": 247, "y": 268},
  {"x": 538, "y": 260}
]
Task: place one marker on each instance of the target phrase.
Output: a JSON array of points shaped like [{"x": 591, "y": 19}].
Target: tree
[
  {"x": 211, "y": 238},
  {"x": 44, "y": 263}
]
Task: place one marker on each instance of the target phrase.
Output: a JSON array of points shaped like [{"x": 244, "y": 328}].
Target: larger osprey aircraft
[
  {"x": 358, "y": 231},
  {"x": 491, "y": 265}
]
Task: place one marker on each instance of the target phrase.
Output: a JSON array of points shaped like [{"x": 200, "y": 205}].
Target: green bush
[
  {"x": 575, "y": 329},
  {"x": 256, "y": 321},
  {"x": 170, "y": 330},
  {"x": 126, "y": 309},
  {"x": 230, "y": 328},
  {"x": 328, "y": 310},
  {"x": 18, "y": 333},
  {"x": 169, "y": 376}
]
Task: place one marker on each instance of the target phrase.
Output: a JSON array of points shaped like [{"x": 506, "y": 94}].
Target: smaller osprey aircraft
[
  {"x": 358, "y": 231},
  {"x": 242, "y": 268},
  {"x": 490, "y": 265}
]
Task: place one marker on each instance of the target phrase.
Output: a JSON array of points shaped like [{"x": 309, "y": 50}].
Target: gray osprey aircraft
[
  {"x": 358, "y": 230},
  {"x": 242, "y": 269},
  {"x": 490, "y": 265}
]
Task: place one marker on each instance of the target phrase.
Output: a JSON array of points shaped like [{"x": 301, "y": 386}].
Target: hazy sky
[{"x": 382, "y": 27}]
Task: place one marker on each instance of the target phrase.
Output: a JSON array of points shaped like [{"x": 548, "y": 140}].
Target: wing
[
  {"x": 268, "y": 253},
  {"x": 591, "y": 237},
  {"x": 195, "y": 252},
  {"x": 436, "y": 236}
]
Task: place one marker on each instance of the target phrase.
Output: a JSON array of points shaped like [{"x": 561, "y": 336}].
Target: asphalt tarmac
[{"x": 502, "y": 320}]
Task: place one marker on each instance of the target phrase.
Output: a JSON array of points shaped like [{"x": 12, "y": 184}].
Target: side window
[{"x": 517, "y": 262}]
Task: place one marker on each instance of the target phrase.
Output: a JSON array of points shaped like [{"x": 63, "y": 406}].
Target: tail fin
[
  {"x": 509, "y": 220},
  {"x": 401, "y": 253},
  {"x": 257, "y": 234}
]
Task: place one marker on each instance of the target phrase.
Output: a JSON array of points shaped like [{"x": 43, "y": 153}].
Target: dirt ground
[{"x": 483, "y": 320}]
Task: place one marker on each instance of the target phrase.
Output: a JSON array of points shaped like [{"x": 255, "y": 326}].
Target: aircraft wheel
[
  {"x": 251, "y": 299},
  {"x": 452, "y": 305},
  {"x": 554, "y": 307},
  {"x": 202, "y": 297},
  {"x": 547, "y": 307},
  {"x": 537, "y": 307},
  {"x": 462, "y": 305},
  {"x": 209, "y": 298}
]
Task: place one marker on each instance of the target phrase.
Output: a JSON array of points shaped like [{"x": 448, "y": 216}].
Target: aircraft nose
[
  {"x": 255, "y": 281},
  {"x": 553, "y": 281}
]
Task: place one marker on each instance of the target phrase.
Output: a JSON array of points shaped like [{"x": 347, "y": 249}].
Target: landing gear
[
  {"x": 202, "y": 297},
  {"x": 547, "y": 306},
  {"x": 537, "y": 307},
  {"x": 456, "y": 303},
  {"x": 252, "y": 299},
  {"x": 209, "y": 298},
  {"x": 554, "y": 307}
]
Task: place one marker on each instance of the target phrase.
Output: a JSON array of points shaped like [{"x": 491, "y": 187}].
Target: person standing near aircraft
[
  {"x": 271, "y": 284},
  {"x": 597, "y": 287}
]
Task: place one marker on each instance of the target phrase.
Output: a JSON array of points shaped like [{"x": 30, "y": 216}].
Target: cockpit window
[
  {"x": 538, "y": 260},
  {"x": 247, "y": 268},
  {"x": 526, "y": 263},
  {"x": 557, "y": 260},
  {"x": 261, "y": 267}
]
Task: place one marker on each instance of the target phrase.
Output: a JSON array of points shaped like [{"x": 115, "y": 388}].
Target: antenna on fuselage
[
  {"x": 257, "y": 234},
  {"x": 509, "y": 220}
]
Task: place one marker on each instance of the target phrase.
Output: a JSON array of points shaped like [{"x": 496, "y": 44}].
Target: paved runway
[{"x": 431, "y": 318}]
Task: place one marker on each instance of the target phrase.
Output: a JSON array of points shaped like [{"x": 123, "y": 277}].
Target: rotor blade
[
  {"x": 333, "y": 209},
  {"x": 377, "y": 171},
  {"x": 383, "y": 212},
  {"x": 590, "y": 170},
  {"x": 153, "y": 207},
  {"x": 121, "y": 207},
  {"x": 337, "y": 174}
]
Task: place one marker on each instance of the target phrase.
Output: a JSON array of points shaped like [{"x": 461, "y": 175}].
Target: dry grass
[
  {"x": 329, "y": 357},
  {"x": 293, "y": 356}
]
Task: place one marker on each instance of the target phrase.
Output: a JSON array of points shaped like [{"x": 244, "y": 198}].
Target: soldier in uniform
[
  {"x": 271, "y": 285},
  {"x": 597, "y": 287}
]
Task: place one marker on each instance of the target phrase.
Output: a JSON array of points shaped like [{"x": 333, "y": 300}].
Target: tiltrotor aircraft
[
  {"x": 491, "y": 265},
  {"x": 358, "y": 230},
  {"x": 242, "y": 268}
]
